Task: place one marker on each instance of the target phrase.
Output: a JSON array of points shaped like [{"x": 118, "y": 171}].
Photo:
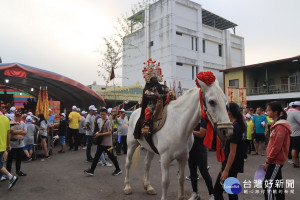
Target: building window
[
  {"x": 178, "y": 63},
  {"x": 196, "y": 43},
  {"x": 195, "y": 71},
  {"x": 178, "y": 33},
  {"x": 234, "y": 83},
  {"x": 151, "y": 44},
  {"x": 203, "y": 46},
  {"x": 220, "y": 50},
  {"x": 193, "y": 75},
  {"x": 192, "y": 43}
]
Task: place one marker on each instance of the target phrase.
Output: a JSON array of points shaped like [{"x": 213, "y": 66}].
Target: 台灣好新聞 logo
[{"x": 232, "y": 186}]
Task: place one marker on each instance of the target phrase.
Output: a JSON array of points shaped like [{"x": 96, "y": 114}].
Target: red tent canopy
[{"x": 60, "y": 88}]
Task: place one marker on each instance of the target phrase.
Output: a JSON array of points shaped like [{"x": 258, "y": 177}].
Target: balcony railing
[{"x": 274, "y": 89}]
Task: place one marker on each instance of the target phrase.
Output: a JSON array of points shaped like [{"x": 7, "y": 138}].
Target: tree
[{"x": 114, "y": 45}]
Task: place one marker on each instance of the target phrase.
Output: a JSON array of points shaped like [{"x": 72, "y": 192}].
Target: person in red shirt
[{"x": 277, "y": 151}]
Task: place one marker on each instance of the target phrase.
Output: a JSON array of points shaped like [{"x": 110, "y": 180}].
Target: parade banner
[
  {"x": 232, "y": 94},
  {"x": 243, "y": 97}
]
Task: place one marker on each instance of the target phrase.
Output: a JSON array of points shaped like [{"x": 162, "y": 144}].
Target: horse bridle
[{"x": 212, "y": 119}]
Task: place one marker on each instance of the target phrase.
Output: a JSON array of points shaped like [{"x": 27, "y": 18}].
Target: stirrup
[{"x": 146, "y": 130}]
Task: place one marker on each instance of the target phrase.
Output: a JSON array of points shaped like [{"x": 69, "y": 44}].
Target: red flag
[{"x": 112, "y": 74}]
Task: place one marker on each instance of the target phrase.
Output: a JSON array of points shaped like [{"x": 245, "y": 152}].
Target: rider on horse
[{"x": 155, "y": 96}]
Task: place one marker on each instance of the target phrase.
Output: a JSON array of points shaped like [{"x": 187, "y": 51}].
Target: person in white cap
[
  {"x": 13, "y": 110},
  {"x": 82, "y": 136},
  {"x": 18, "y": 131},
  {"x": 249, "y": 132},
  {"x": 62, "y": 132},
  {"x": 294, "y": 119},
  {"x": 74, "y": 119},
  {"x": 89, "y": 127},
  {"x": 29, "y": 138}
]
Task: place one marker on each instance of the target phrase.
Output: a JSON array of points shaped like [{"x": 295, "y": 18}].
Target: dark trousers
[
  {"x": 122, "y": 145},
  {"x": 248, "y": 144},
  {"x": 246, "y": 148},
  {"x": 74, "y": 133},
  {"x": 198, "y": 158},
  {"x": 110, "y": 154},
  {"x": 82, "y": 139},
  {"x": 273, "y": 174},
  {"x": 89, "y": 143},
  {"x": 14, "y": 152},
  {"x": 218, "y": 189},
  {"x": 252, "y": 144},
  {"x": 290, "y": 149}
]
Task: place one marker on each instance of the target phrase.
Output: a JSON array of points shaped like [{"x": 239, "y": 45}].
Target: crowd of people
[
  {"x": 21, "y": 134},
  {"x": 274, "y": 129}
]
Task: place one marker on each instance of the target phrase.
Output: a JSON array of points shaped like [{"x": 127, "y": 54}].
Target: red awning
[{"x": 16, "y": 72}]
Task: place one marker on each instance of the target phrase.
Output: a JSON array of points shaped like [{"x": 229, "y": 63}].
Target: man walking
[
  {"x": 5, "y": 146},
  {"x": 260, "y": 129},
  {"x": 74, "y": 118},
  {"x": 122, "y": 122},
  {"x": 293, "y": 117},
  {"x": 105, "y": 145},
  {"x": 89, "y": 127}
]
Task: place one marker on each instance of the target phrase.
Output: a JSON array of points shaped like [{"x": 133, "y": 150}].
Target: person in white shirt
[{"x": 122, "y": 122}]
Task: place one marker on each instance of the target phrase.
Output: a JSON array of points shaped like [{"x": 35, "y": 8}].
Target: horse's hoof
[
  {"x": 127, "y": 191},
  {"x": 151, "y": 192}
]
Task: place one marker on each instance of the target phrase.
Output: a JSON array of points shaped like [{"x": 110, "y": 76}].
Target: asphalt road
[{"x": 62, "y": 177}]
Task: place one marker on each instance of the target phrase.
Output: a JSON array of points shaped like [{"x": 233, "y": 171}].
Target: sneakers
[
  {"x": 194, "y": 196},
  {"x": 117, "y": 172},
  {"x": 211, "y": 197},
  {"x": 20, "y": 173},
  {"x": 83, "y": 148},
  {"x": 12, "y": 182},
  {"x": 107, "y": 164},
  {"x": 89, "y": 160},
  {"x": 291, "y": 162},
  {"x": 189, "y": 177},
  {"x": 89, "y": 172},
  {"x": 45, "y": 158},
  {"x": 296, "y": 166},
  {"x": 29, "y": 159},
  {"x": 100, "y": 163},
  {"x": 2, "y": 178},
  {"x": 60, "y": 151}
]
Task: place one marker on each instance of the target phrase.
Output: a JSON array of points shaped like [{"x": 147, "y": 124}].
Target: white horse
[{"x": 175, "y": 139}]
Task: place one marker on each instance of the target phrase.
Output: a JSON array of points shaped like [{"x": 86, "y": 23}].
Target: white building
[{"x": 186, "y": 39}]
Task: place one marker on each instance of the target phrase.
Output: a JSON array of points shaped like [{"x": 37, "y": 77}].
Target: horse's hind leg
[
  {"x": 146, "y": 182},
  {"x": 132, "y": 145}
]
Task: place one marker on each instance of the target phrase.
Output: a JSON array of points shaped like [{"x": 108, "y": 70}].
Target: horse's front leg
[
  {"x": 165, "y": 165},
  {"x": 132, "y": 145},
  {"x": 181, "y": 165},
  {"x": 146, "y": 182}
]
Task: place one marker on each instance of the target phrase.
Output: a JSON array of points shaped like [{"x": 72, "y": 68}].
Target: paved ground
[{"x": 61, "y": 177}]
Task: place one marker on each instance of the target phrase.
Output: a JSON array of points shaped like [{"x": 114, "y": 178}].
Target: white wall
[{"x": 184, "y": 16}]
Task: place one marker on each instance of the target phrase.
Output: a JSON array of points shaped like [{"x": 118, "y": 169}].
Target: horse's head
[{"x": 214, "y": 103}]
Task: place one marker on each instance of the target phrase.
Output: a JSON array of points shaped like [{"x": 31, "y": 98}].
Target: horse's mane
[{"x": 181, "y": 99}]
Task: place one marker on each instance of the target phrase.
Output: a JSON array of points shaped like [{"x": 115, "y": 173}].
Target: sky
[{"x": 66, "y": 36}]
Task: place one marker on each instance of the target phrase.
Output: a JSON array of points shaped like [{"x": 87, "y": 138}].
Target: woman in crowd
[
  {"x": 277, "y": 151},
  {"x": 233, "y": 151},
  {"x": 43, "y": 127}
]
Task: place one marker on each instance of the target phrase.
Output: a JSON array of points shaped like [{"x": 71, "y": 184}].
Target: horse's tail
[{"x": 136, "y": 157}]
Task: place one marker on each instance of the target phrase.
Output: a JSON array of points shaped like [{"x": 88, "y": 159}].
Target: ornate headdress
[
  {"x": 152, "y": 69},
  {"x": 206, "y": 77}
]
